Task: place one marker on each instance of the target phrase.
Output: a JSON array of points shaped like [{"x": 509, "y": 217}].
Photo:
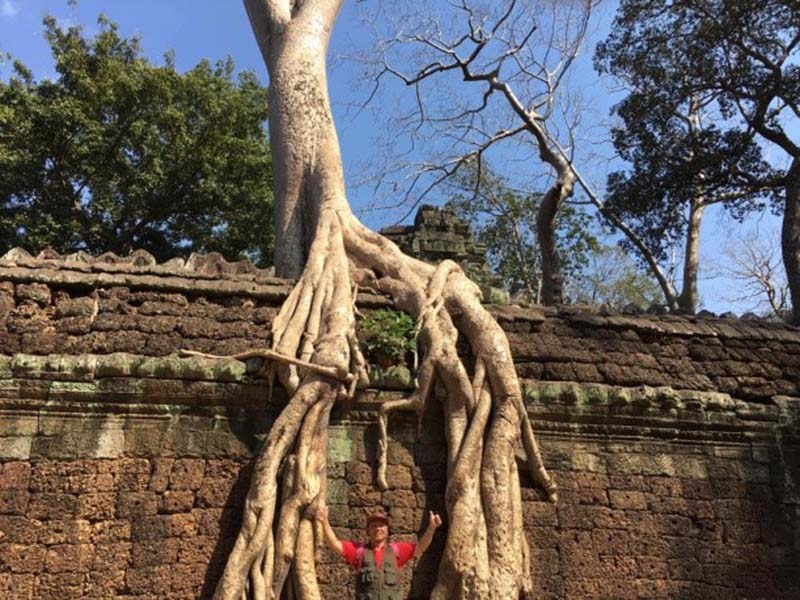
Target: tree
[
  {"x": 744, "y": 55},
  {"x": 753, "y": 261},
  {"x": 684, "y": 154},
  {"x": 611, "y": 277},
  {"x": 319, "y": 363},
  {"x": 116, "y": 153},
  {"x": 504, "y": 220},
  {"x": 514, "y": 58}
]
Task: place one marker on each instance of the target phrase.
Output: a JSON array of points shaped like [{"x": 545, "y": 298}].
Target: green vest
[{"x": 378, "y": 583}]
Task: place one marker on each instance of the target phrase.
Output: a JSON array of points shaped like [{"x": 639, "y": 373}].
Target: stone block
[
  {"x": 19, "y": 530},
  {"x": 399, "y": 476},
  {"x": 175, "y": 501},
  {"x": 360, "y": 473},
  {"x": 69, "y": 558},
  {"x": 111, "y": 532},
  {"x": 14, "y": 502},
  {"x": 132, "y": 505},
  {"x": 46, "y": 506},
  {"x": 164, "y": 526},
  {"x": 60, "y": 585},
  {"x": 96, "y": 507},
  {"x": 363, "y": 495},
  {"x": 187, "y": 474},
  {"x": 21, "y": 558},
  {"x": 15, "y": 476},
  {"x": 37, "y": 292},
  {"x": 539, "y": 514},
  {"x": 627, "y": 500},
  {"x": 66, "y": 531},
  {"x": 399, "y": 498},
  {"x": 113, "y": 556},
  {"x": 12, "y": 425},
  {"x": 17, "y": 586},
  {"x": 16, "y": 447},
  {"x": 155, "y": 552}
]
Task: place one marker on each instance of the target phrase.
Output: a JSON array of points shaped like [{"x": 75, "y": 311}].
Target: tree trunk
[
  {"x": 307, "y": 165},
  {"x": 552, "y": 276},
  {"x": 790, "y": 237},
  {"x": 319, "y": 361},
  {"x": 687, "y": 301}
]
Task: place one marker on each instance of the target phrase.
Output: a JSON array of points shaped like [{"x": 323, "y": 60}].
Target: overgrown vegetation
[{"x": 387, "y": 335}]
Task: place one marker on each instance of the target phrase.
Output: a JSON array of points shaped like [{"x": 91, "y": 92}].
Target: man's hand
[
  {"x": 322, "y": 513},
  {"x": 434, "y": 522},
  {"x": 327, "y": 530}
]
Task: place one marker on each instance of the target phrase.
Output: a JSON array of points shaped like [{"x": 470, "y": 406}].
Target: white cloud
[{"x": 8, "y": 9}]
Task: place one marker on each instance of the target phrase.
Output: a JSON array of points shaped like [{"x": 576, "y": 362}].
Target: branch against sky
[
  {"x": 739, "y": 57},
  {"x": 483, "y": 75},
  {"x": 753, "y": 262}
]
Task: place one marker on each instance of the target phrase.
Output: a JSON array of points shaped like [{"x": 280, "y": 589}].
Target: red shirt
[{"x": 403, "y": 552}]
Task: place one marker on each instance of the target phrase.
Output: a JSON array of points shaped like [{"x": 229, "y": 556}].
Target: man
[{"x": 377, "y": 564}]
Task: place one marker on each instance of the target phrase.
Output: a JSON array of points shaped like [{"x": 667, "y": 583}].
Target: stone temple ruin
[{"x": 674, "y": 440}]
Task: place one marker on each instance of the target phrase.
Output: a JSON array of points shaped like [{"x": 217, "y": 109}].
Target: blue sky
[{"x": 213, "y": 29}]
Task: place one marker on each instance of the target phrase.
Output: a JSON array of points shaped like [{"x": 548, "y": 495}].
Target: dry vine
[{"x": 319, "y": 361}]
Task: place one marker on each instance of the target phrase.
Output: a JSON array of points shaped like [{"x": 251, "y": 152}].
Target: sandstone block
[
  {"x": 96, "y": 507},
  {"x": 187, "y": 474},
  {"x": 69, "y": 558},
  {"x": 45, "y": 506}
]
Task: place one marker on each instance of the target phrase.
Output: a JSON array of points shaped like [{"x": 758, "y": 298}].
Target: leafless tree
[
  {"x": 754, "y": 261},
  {"x": 516, "y": 59}
]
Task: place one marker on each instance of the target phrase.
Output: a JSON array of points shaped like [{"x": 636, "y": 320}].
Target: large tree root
[{"x": 486, "y": 554}]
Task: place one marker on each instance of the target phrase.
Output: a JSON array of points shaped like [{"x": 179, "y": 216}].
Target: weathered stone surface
[{"x": 123, "y": 472}]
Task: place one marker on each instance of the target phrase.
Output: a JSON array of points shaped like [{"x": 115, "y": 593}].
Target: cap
[{"x": 378, "y": 515}]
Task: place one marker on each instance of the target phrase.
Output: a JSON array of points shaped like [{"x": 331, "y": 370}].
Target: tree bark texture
[
  {"x": 687, "y": 301},
  {"x": 790, "y": 237},
  {"x": 486, "y": 554}
]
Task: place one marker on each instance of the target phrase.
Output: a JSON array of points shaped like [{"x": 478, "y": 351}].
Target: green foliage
[
  {"x": 704, "y": 76},
  {"x": 387, "y": 333},
  {"x": 504, "y": 220},
  {"x": 116, "y": 153}
]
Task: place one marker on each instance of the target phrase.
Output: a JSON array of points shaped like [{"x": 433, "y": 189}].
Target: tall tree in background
[
  {"x": 733, "y": 61},
  {"x": 313, "y": 340},
  {"x": 115, "y": 153},
  {"x": 683, "y": 154},
  {"x": 504, "y": 220}
]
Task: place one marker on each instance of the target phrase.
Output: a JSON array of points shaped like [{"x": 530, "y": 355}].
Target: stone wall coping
[
  {"x": 213, "y": 275},
  {"x": 124, "y": 383}
]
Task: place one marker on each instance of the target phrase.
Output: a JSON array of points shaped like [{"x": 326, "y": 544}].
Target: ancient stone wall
[{"x": 123, "y": 467}]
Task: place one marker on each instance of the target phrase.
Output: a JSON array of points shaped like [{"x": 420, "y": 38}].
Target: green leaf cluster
[
  {"x": 387, "y": 333},
  {"x": 116, "y": 153}
]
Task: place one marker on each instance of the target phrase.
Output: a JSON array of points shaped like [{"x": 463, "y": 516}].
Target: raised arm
[
  {"x": 434, "y": 522},
  {"x": 330, "y": 537}
]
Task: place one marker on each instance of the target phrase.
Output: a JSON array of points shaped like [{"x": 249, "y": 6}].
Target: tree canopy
[
  {"x": 711, "y": 82},
  {"x": 116, "y": 153}
]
